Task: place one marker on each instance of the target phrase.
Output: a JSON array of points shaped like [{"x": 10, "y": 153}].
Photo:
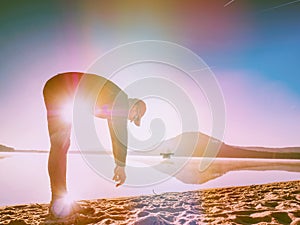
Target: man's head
[{"x": 137, "y": 109}]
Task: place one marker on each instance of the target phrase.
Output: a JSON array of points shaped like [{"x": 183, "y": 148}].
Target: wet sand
[{"x": 275, "y": 203}]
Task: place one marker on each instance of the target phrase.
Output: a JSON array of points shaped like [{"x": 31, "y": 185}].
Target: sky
[{"x": 251, "y": 46}]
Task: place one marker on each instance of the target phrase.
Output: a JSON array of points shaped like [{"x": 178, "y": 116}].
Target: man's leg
[
  {"x": 55, "y": 97},
  {"x": 58, "y": 96},
  {"x": 59, "y": 133}
]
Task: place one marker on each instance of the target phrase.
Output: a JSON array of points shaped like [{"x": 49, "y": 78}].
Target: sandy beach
[{"x": 274, "y": 203}]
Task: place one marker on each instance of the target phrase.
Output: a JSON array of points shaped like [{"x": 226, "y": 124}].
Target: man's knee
[{"x": 60, "y": 142}]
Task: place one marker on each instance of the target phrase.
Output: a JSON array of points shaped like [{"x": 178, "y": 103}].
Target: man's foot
[{"x": 61, "y": 211}]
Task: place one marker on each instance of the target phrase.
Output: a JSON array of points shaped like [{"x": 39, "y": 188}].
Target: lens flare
[
  {"x": 63, "y": 207},
  {"x": 67, "y": 112}
]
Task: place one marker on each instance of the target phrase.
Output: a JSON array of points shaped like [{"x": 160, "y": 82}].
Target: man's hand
[{"x": 120, "y": 175}]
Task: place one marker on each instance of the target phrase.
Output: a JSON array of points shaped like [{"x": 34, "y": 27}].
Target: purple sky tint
[{"x": 253, "y": 52}]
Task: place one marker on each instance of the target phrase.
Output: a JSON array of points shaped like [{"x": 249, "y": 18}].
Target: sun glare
[
  {"x": 67, "y": 112},
  {"x": 63, "y": 206},
  {"x": 68, "y": 199}
]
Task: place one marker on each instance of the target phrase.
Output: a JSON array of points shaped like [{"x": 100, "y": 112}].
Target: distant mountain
[
  {"x": 264, "y": 149},
  {"x": 4, "y": 148},
  {"x": 197, "y": 144}
]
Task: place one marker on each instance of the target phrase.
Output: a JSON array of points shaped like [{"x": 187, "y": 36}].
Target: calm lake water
[{"x": 24, "y": 177}]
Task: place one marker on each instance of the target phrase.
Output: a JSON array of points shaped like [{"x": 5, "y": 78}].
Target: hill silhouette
[
  {"x": 197, "y": 144},
  {"x": 4, "y": 148}
]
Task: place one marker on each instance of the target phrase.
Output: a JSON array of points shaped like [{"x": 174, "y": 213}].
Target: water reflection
[
  {"x": 190, "y": 173},
  {"x": 24, "y": 177}
]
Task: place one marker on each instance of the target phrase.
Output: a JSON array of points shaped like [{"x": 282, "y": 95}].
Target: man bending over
[{"x": 111, "y": 103}]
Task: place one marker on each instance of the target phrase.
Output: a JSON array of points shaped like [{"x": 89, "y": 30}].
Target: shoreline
[
  {"x": 272, "y": 203},
  {"x": 280, "y": 153}
]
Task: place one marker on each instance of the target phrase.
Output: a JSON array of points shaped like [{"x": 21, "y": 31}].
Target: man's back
[{"x": 63, "y": 87}]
